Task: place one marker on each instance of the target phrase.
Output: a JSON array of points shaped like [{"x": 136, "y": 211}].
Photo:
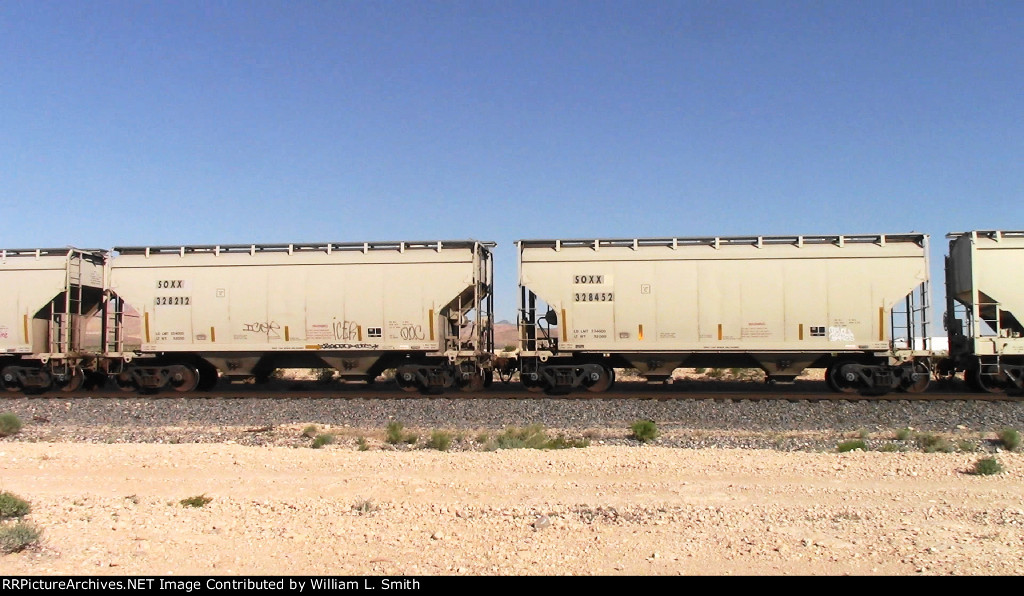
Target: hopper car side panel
[
  {"x": 296, "y": 308},
  {"x": 782, "y": 304}
]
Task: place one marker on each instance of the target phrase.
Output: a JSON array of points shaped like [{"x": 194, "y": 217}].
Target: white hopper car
[
  {"x": 854, "y": 305},
  {"x": 176, "y": 316},
  {"x": 423, "y": 308},
  {"x": 985, "y": 309},
  {"x": 46, "y": 297}
]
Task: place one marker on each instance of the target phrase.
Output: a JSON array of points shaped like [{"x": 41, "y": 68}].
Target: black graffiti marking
[
  {"x": 346, "y": 330},
  {"x": 271, "y": 328},
  {"x": 412, "y": 332}
]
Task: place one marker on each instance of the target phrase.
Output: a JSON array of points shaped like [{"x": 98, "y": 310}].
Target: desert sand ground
[{"x": 638, "y": 510}]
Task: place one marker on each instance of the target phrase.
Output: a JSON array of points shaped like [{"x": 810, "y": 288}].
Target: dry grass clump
[
  {"x": 16, "y": 536},
  {"x": 534, "y": 436},
  {"x": 196, "y": 501},
  {"x": 10, "y": 424},
  {"x": 644, "y": 431},
  {"x": 987, "y": 466}
]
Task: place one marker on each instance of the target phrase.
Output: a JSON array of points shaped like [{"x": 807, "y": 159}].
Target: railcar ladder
[
  {"x": 528, "y": 321},
  {"x": 535, "y": 331},
  {"x": 63, "y": 318},
  {"x": 113, "y": 324},
  {"x": 913, "y": 322}
]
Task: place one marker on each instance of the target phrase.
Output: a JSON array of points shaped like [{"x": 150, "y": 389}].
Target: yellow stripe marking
[
  {"x": 801, "y": 330},
  {"x": 213, "y": 334},
  {"x": 146, "y": 317},
  {"x": 431, "y": 324},
  {"x": 286, "y": 332},
  {"x": 25, "y": 322},
  {"x": 565, "y": 327},
  {"x": 719, "y": 331},
  {"x": 881, "y": 323},
  {"x": 640, "y": 331}
]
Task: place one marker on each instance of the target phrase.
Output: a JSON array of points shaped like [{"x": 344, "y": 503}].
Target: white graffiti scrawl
[{"x": 840, "y": 334}]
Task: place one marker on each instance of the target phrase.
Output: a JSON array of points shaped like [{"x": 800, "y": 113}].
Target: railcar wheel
[
  {"x": 406, "y": 381},
  {"x": 985, "y": 383},
  {"x": 919, "y": 386},
  {"x": 531, "y": 385},
  {"x": 125, "y": 382},
  {"x": 208, "y": 375},
  {"x": 183, "y": 378},
  {"x": 9, "y": 379},
  {"x": 73, "y": 381},
  {"x": 604, "y": 382},
  {"x": 475, "y": 382},
  {"x": 838, "y": 382}
]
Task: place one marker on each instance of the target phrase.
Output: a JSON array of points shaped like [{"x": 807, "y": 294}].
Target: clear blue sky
[{"x": 208, "y": 122}]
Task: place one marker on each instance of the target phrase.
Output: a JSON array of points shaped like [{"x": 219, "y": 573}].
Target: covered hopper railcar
[
  {"x": 181, "y": 317},
  {"x": 47, "y": 296},
  {"x": 985, "y": 309},
  {"x": 854, "y": 305},
  {"x": 187, "y": 312}
]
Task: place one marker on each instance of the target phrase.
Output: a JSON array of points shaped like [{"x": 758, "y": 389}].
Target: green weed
[
  {"x": 644, "y": 430},
  {"x": 1010, "y": 439},
  {"x": 9, "y": 424},
  {"x": 196, "y": 501},
  {"x": 12, "y": 506},
  {"x": 440, "y": 440},
  {"x": 18, "y": 536},
  {"x": 987, "y": 466},
  {"x": 321, "y": 440},
  {"x": 854, "y": 445}
]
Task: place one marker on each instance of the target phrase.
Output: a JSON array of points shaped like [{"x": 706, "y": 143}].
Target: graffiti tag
[
  {"x": 269, "y": 328},
  {"x": 346, "y": 330},
  {"x": 412, "y": 332}
]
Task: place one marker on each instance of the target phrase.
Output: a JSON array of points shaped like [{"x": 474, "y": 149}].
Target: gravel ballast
[{"x": 691, "y": 423}]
